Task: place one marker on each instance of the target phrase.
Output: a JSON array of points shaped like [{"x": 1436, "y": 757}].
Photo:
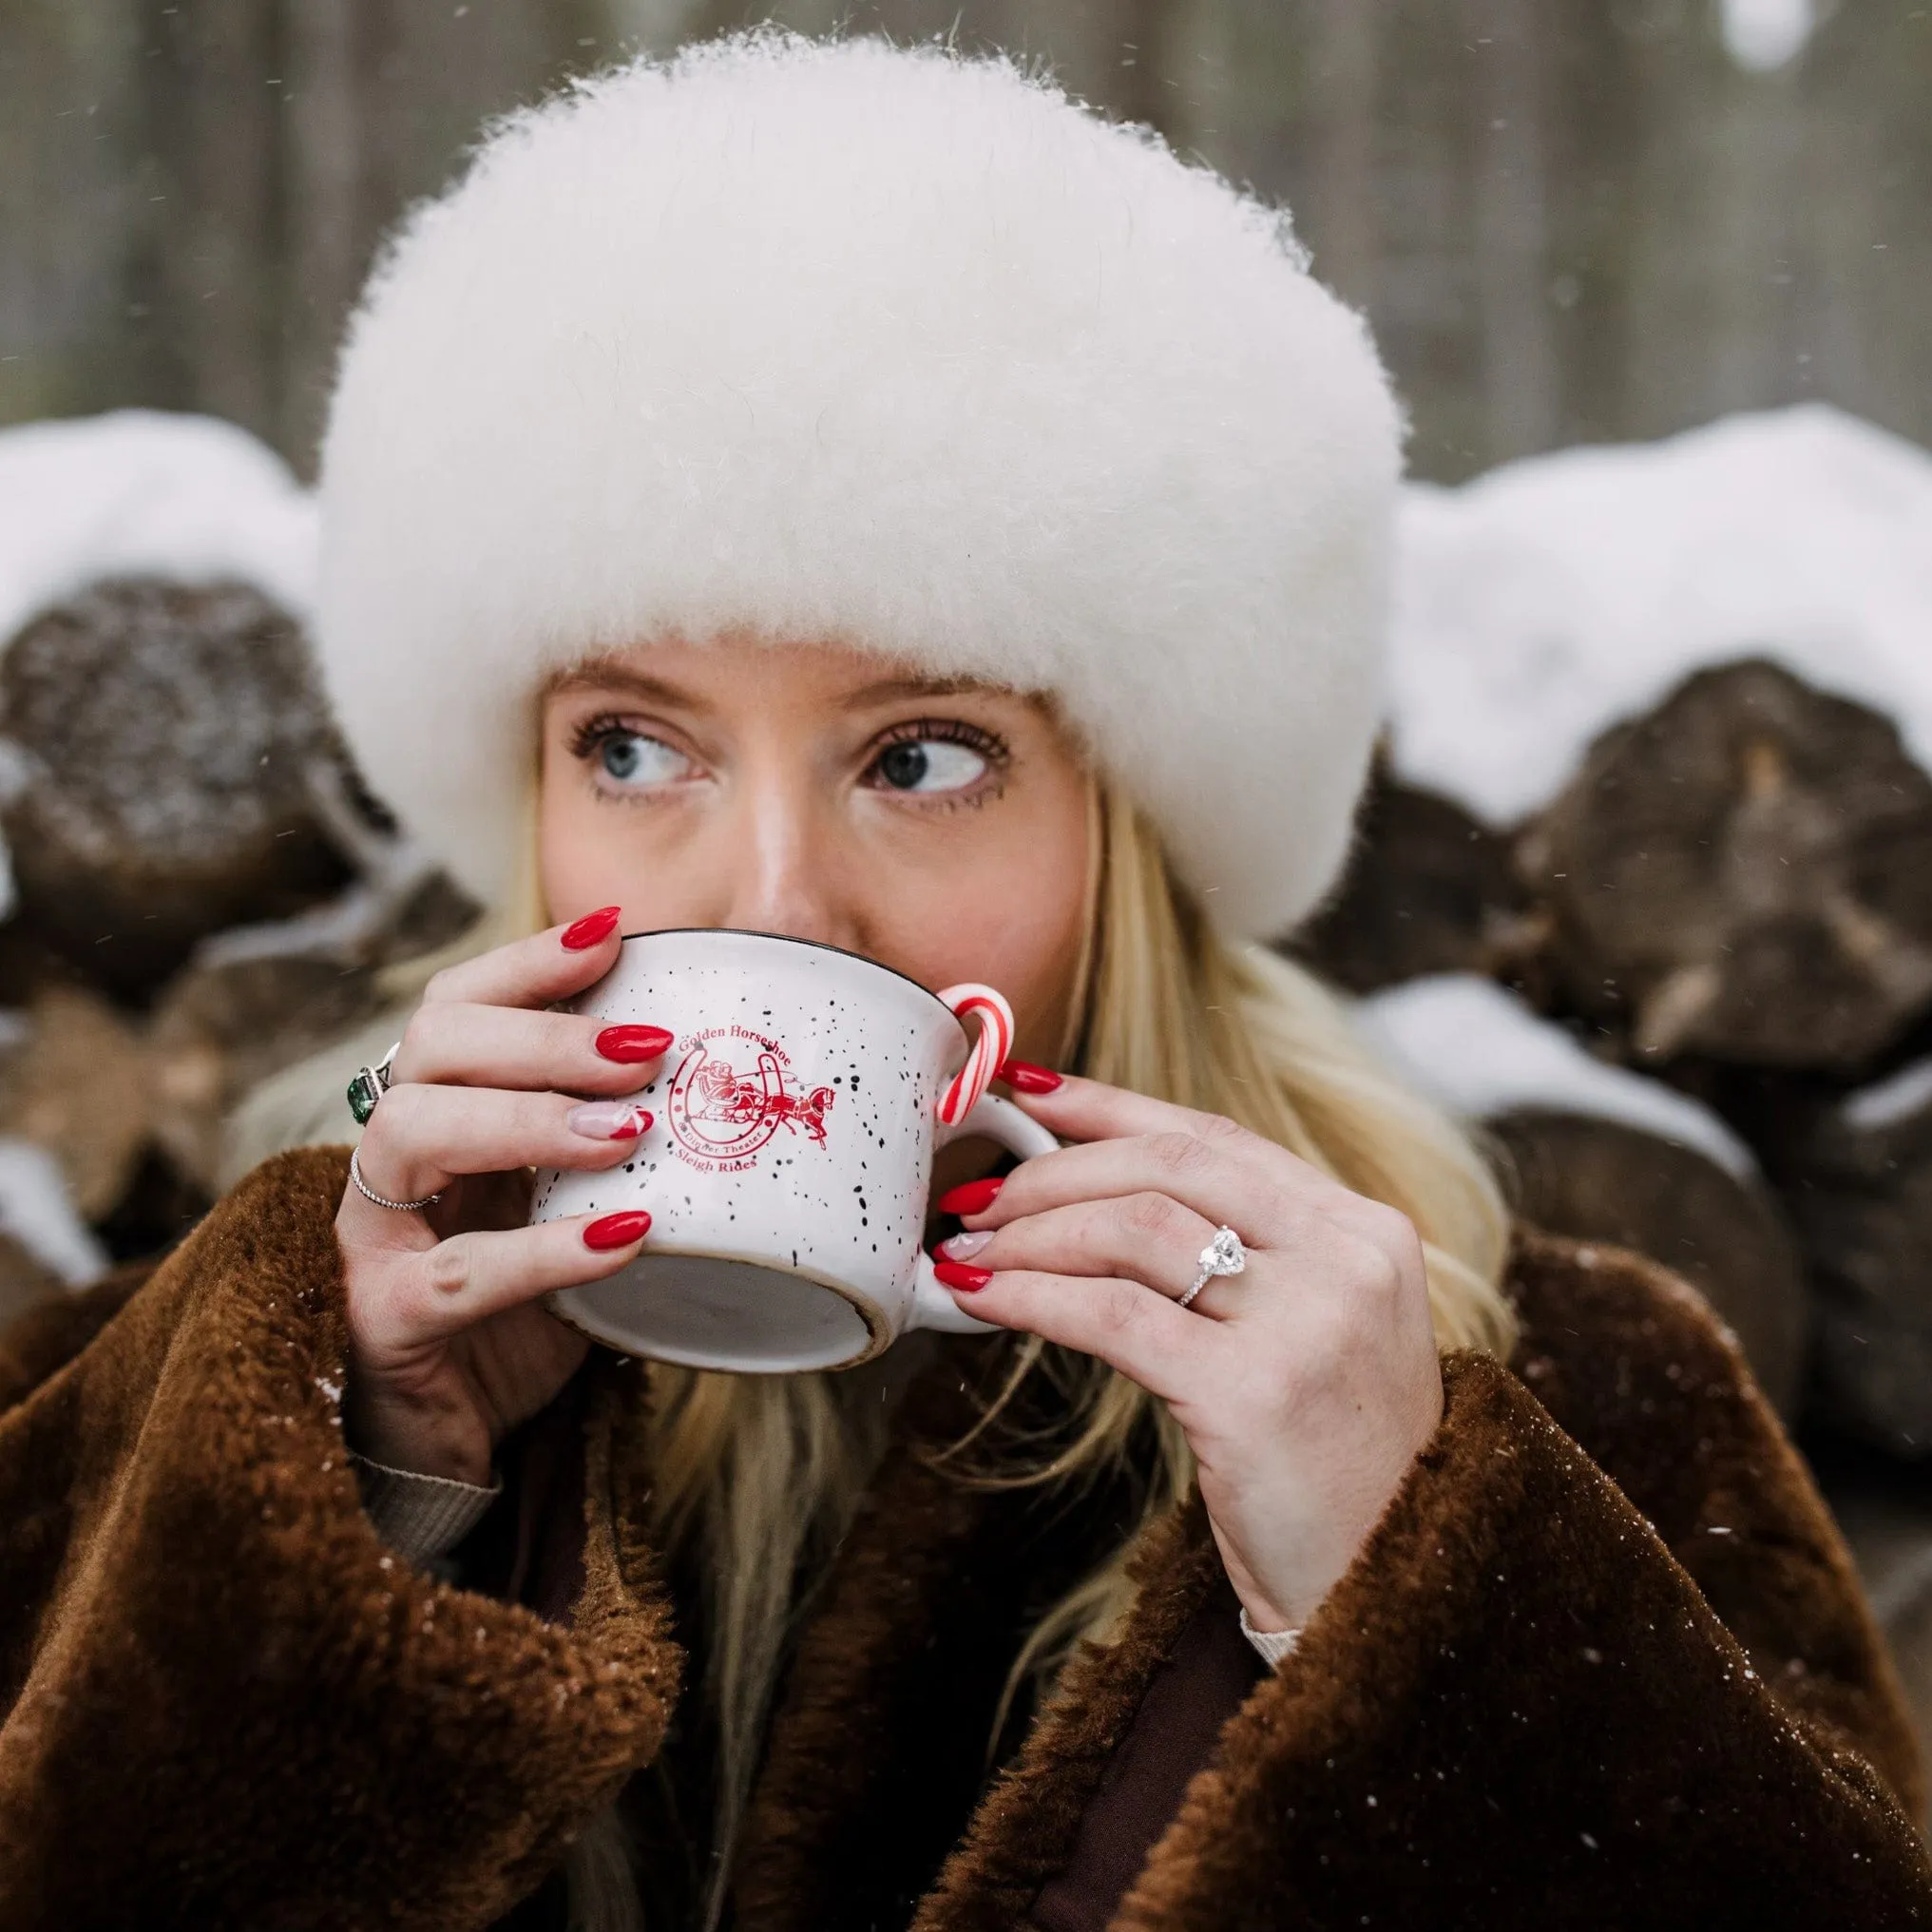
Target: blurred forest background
[{"x": 1570, "y": 221}]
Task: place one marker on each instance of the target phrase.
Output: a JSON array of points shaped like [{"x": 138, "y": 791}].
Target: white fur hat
[{"x": 838, "y": 339}]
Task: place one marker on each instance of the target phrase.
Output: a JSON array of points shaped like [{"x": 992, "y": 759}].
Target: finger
[
  {"x": 1223, "y": 1180},
  {"x": 1091, "y": 1110},
  {"x": 533, "y": 971},
  {"x": 460, "y": 1043},
  {"x": 1122, "y": 1323},
  {"x": 421, "y": 1138},
  {"x": 1151, "y": 1238},
  {"x": 428, "y": 1297}
]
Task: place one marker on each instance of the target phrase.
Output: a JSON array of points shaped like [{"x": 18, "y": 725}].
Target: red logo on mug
[{"x": 722, "y": 1118}]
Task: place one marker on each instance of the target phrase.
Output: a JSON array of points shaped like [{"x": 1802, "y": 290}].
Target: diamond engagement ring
[
  {"x": 369, "y": 1085},
  {"x": 1224, "y": 1254}
]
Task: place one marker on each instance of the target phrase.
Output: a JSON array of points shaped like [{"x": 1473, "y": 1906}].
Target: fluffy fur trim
[
  {"x": 1602, "y": 1664},
  {"x": 837, "y": 339},
  {"x": 224, "y": 1703}
]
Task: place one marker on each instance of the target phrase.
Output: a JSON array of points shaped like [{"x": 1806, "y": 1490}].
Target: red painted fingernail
[
  {"x": 592, "y": 928},
  {"x": 969, "y": 1280},
  {"x": 1025, "y": 1077},
  {"x": 617, "y": 1231},
  {"x": 632, "y": 1043},
  {"x": 969, "y": 1198}
]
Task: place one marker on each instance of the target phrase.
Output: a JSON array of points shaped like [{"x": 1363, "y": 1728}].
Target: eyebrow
[
  {"x": 603, "y": 677},
  {"x": 609, "y": 677},
  {"x": 889, "y": 689}
]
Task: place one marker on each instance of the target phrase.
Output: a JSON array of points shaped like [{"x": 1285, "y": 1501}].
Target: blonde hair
[{"x": 756, "y": 1478}]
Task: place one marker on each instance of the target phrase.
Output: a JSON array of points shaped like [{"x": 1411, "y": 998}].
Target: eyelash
[
  {"x": 956, "y": 730},
  {"x": 590, "y": 736},
  {"x": 945, "y": 731},
  {"x": 592, "y": 733}
]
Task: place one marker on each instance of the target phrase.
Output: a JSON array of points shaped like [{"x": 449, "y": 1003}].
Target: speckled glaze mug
[{"x": 789, "y": 1158}]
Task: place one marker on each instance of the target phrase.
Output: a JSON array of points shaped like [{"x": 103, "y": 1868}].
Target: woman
[{"x": 858, "y": 494}]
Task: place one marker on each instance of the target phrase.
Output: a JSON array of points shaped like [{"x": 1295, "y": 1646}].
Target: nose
[{"x": 785, "y": 868}]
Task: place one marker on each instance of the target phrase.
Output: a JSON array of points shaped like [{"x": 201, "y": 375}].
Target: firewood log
[
  {"x": 1860, "y": 1190},
  {"x": 1742, "y": 873},
  {"x": 160, "y": 746},
  {"x": 24, "y": 1281},
  {"x": 133, "y": 1105},
  {"x": 1605, "y": 1180},
  {"x": 76, "y": 1083},
  {"x": 1603, "y": 1152},
  {"x": 219, "y": 1028},
  {"x": 1429, "y": 889}
]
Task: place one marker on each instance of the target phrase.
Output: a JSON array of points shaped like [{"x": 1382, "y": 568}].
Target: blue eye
[
  {"x": 930, "y": 765},
  {"x": 629, "y": 758}
]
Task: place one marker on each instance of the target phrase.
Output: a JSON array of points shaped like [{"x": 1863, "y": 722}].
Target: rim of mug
[{"x": 814, "y": 945}]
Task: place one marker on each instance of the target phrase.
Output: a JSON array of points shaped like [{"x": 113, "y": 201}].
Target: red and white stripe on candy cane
[{"x": 990, "y": 1050}]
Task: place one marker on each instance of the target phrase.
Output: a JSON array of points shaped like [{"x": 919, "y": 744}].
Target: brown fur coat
[{"x": 1602, "y": 1663}]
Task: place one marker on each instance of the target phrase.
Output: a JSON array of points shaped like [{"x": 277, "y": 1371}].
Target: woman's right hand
[{"x": 449, "y": 1345}]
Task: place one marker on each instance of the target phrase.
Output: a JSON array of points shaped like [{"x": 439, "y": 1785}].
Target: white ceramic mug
[{"x": 789, "y": 1158}]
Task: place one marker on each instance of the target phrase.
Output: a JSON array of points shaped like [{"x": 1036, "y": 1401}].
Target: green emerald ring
[{"x": 369, "y": 1085}]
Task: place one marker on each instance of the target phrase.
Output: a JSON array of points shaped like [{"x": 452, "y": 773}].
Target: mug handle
[{"x": 995, "y": 1119}]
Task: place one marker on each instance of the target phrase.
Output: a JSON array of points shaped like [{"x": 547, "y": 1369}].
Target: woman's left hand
[{"x": 1304, "y": 1385}]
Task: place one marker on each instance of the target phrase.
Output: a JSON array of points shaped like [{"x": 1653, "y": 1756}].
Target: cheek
[
  {"x": 1006, "y": 909},
  {"x": 571, "y": 872},
  {"x": 589, "y": 856},
  {"x": 564, "y": 860}
]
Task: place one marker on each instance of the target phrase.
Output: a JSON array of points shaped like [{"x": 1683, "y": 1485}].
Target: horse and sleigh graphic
[{"x": 719, "y": 1114}]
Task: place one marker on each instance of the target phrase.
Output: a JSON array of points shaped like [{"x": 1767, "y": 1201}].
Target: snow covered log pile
[
  {"x": 1645, "y": 887},
  {"x": 195, "y": 889},
  {"x": 1659, "y": 765}
]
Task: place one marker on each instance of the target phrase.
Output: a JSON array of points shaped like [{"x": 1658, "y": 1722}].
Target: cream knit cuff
[
  {"x": 419, "y": 1517},
  {"x": 1273, "y": 1645}
]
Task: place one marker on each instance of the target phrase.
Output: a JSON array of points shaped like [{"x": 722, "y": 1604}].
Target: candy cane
[{"x": 989, "y": 1053}]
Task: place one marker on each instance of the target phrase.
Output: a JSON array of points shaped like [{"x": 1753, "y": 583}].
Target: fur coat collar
[{"x": 1604, "y": 1662}]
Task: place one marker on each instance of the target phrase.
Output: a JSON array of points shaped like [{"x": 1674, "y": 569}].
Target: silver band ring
[
  {"x": 369, "y": 1193},
  {"x": 1224, "y": 1254}
]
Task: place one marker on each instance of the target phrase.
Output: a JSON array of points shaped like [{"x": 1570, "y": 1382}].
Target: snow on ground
[
  {"x": 1477, "y": 1051},
  {"x": 182, "y": 497},
  {"x": 1554, "y": 597},
  {"x": 35, "y": 1209}
]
